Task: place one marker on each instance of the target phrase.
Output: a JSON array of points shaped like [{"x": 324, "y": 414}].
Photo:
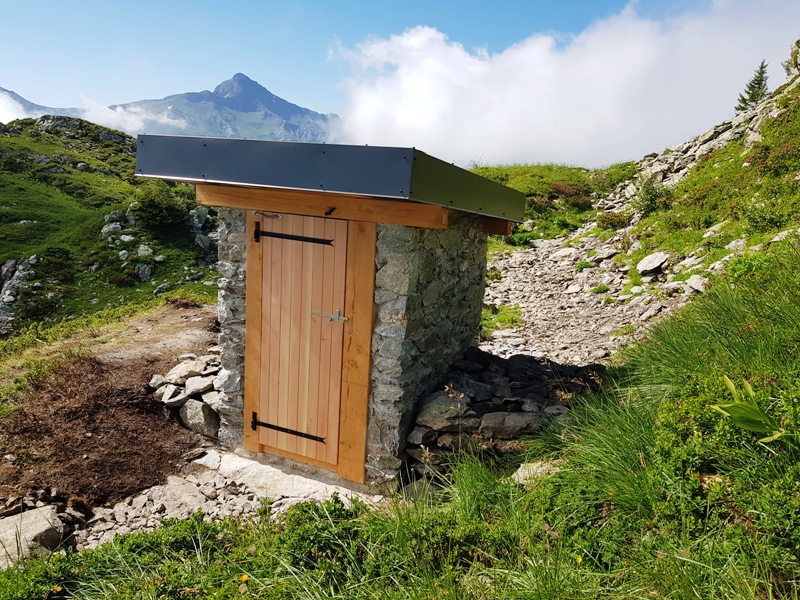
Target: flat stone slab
[
  {"x": 38, "y": 530},
  {"x": 271, "y": 482},
  {"x": 652, "y": 263}
]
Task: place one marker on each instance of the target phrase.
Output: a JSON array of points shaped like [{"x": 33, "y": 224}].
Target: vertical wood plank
[
  {"x": 253, "y": 330},
  {"x": 326, "y": 339},
  {"x": 304, "y": 446},
  {"x": 337, "y": 338},
  {"x": 317, "y": 270},
  {"x": 267, "y": 347},
  {"x": 360, "y": 290},
  {"x": 294, "y": 309}
]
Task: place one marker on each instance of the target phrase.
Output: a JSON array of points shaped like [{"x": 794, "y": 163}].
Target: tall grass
[{"x": 745, "y": 328}]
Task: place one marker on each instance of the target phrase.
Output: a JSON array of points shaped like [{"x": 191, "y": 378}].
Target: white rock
[
  {"x": 528, "y": 472},
  {"x": 30, "y": 532},
  {"x": 739, "y": 244},
  {"x": 697, "y": 282},
  {"x": 564, "y": 253},
  {"x": 176, "y": 399},
  {"x": 652, "y": 262},
  {"x": 180, "y": 373},
  {"x": 198, "y": 385},
  {"x": 200, "y": 417}
]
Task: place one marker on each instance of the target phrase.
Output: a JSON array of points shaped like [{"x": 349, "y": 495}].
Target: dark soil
[{"x": 92, "y": 431}]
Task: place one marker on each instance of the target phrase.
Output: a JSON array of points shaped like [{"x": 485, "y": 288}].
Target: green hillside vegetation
[
  {"x": 680, "y": 480},
  {"x": 659, "y": 494},
  {"x": 60, "y": 178},
  {"x": 559, "y": 197}
]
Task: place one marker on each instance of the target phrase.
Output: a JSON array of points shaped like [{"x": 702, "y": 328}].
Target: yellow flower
[
  {"x": 57, "y": 589},
  {"x": 244, "y": 578},
  {"x": 578, "y": 559}
]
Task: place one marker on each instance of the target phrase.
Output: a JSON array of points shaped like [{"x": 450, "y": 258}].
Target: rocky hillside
[
  {"x": 79, "y": 232},
  {"x": 700, "y": 213}
]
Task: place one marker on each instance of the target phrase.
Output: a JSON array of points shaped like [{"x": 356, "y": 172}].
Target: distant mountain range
[{"x": 237, "y": 108}]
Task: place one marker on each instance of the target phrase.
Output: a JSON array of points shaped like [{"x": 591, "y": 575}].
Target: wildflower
[
  {"x": 578, "y": 559},
  {"x": 57, "y": 588},
  {"x": 244, "y": 578}
]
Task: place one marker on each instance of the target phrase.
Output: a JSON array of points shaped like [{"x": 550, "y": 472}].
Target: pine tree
[{"x": 755, "y": 91}]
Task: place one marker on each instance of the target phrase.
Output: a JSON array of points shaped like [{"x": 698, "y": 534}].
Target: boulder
[
  {"x": 507, "y": 426},
  {"x": 180, "y": 373},
  {"x": 198, "y": 385},
  {"x": 697, "y": 283},
  {"x": 421, "y": 435},
  {"x": 200, "y": 417},
  {"x": 529, "y": 472},
  {"x": 442, "y": 413},
  {"x": 652, "y": 263},
  {"x": 32, "y": 532}
]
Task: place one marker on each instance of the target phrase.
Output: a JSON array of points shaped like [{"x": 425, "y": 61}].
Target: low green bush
[{"x": 613, "y": 220}]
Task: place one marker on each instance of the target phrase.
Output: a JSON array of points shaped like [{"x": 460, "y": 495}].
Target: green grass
[
  {"x": 56, "y": 187},
  {"x": 501, "y": 317},
  {"x": 559, "y": 197},
  {"x": 658, "y": 495}
]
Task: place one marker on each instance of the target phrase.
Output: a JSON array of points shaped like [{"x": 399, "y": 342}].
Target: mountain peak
[{"x": 240, "y": 84}]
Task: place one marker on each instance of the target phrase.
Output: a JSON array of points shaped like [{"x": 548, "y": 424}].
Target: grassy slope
[
  {"x": 559, "y": 196},
  {"x": 56, "y": 185},
  {"x": 659, "y": 494}
]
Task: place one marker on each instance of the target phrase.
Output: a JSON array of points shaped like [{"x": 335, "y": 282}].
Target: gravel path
[{"x": 567, "y": 319}]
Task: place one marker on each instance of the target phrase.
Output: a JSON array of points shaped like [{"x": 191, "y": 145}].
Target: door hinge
[
  {"x": 255, "y": 424},
  {"x": 258, "y": 234},
  {"x": 331, "y": 318}
]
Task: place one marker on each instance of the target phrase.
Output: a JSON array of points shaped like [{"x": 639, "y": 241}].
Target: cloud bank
[
  {"x": 624, "y": 87},
  {"x": 130, "y": 119},
  {"x": 10, "y": 109}
]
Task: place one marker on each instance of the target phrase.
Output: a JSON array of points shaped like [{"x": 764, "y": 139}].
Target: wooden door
[{"x": 303, "y": 263}]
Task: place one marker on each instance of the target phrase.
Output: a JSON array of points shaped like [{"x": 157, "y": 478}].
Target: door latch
[{"x": 331, "y": 318}]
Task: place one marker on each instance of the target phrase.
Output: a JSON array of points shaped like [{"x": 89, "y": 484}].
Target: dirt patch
[{"x": 91, "y": 430}]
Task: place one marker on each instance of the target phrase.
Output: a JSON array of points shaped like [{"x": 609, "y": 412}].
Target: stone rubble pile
[
  {"x": 486, "y": 402},
  {"x": 217, "y": 496},
  {"x": 580, "y": 315},
  {"x": 39, "y": 523},
  {"x": 192, "y": 387}
]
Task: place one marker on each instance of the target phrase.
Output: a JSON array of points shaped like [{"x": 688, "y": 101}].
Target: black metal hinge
[
  {"x": 255, "y": 424},
  {"x": 258, "y": 234}
]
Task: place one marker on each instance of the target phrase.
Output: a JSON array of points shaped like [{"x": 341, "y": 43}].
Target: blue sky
[{"x": 591, "y": 82}]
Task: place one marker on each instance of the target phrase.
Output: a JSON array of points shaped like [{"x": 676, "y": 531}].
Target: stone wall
[
  {"x": 230, "y": 382},
  {"x": 428, "y": 298}
]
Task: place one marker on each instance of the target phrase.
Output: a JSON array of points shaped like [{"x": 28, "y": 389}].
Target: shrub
[
  {"x": 613, "y": 220},
  {"x": 159, "y": 208},
  {"x": 651, "y": 197}
]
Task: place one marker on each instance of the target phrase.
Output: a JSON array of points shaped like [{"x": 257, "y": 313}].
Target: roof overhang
[{"x": 369, "y": 171}]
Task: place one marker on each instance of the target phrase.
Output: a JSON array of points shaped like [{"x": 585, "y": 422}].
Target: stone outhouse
[{"x": 364, "y": 270}]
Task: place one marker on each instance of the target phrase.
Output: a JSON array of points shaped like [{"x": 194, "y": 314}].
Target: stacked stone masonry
[{"x": 429, "y": 288}]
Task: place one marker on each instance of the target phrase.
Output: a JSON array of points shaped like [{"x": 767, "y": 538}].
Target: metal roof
[{"x": 373, "y": 171}]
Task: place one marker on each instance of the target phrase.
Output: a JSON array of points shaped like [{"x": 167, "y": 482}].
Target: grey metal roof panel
[{"x": 379, "y": 171}]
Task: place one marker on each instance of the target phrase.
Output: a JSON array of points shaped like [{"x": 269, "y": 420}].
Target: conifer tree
[{"x": 755, "y": 91}]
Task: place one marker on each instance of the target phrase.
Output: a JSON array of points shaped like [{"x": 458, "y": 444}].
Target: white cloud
[
  {"x": 130, "y": 119},
  {"x": 10, "y": 109},
  {"x": 622, "y": 88}
]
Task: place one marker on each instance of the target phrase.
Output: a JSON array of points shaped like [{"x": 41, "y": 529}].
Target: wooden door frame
[{"x": 356, "y": 356}]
